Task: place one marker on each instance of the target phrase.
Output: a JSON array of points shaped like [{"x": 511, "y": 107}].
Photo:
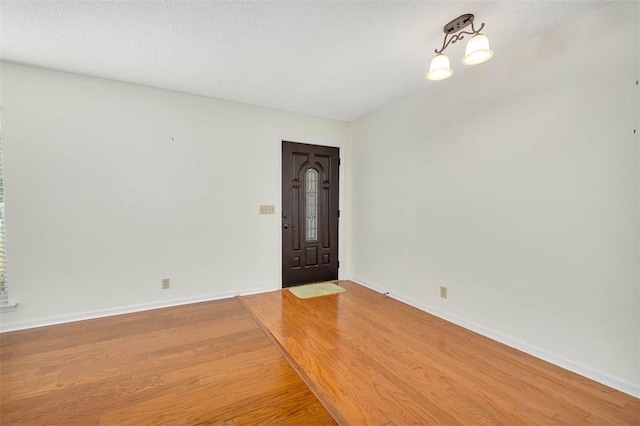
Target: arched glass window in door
[{"x": 311, "y": 204}]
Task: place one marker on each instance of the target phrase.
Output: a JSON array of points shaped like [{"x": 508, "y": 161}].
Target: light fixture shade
[
  {"x": 477, "y": 50},
  {"x": 440, "y": 68}
]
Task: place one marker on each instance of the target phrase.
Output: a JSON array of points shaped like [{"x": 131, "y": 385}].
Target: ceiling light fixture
[{"x": 477, "y": 50}]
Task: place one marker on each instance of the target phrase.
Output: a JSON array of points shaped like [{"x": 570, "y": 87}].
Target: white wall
[
  {"x": 515, "y": 184},
  {"x": 111, "y": 187}
]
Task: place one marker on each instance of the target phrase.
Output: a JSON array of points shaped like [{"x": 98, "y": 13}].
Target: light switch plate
[{"x": 267, "y": 209}]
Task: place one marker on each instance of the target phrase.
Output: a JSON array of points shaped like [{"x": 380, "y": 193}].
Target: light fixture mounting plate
[{"x": 459, "y": 23}]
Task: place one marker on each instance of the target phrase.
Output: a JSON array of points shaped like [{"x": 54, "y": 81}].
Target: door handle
[{"x": 287, "y": 226}]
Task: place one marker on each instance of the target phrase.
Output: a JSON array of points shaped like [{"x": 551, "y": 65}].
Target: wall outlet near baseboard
[
  {"x": 443, "y": 292},
  {"x": 166, "y": 283}
]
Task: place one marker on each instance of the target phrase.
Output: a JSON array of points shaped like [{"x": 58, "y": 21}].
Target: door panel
[{"x": 310, "y": 193}]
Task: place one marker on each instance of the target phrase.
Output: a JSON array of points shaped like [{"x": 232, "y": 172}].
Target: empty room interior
[{"x": 179, "y": 177}]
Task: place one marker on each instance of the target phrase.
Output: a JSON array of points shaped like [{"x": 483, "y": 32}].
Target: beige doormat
[{"x": 314, "y": 290}]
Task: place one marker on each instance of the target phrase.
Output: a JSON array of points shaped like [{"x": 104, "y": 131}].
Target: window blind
[{"x": 4, "y": 294}]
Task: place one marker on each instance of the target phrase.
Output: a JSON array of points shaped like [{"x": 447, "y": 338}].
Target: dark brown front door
[{"x": 309, "y": 213}]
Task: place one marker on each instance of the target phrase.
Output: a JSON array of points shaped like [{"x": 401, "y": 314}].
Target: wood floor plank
[
  {"x": 206, "y": 363},
  {"x": 371, "y": 359},
  {"x": 302, "y": 411}
]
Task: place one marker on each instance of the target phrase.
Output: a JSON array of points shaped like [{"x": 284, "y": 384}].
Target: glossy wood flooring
[
  {"x": 373, "y": 360},
  {"x": 204, "y": 364}
]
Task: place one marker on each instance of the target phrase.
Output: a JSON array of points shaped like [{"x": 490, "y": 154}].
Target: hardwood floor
[
  {"x": 207, "y": 363},
  {"x": 373, "y": 360},
  {"x": 368, "y": 358}
]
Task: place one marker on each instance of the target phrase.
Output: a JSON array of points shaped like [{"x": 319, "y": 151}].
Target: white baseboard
[
  {"x": 591, "y": 373},
  {"x": 101, "y": 313}
]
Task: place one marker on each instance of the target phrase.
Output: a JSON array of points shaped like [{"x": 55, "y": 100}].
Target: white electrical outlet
[
  {"x": 166, "y": 283},
  {"x": 443, "y": 292}
]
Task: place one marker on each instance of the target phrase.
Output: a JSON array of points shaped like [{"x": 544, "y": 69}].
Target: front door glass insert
[{"x": 311, "y": 204}]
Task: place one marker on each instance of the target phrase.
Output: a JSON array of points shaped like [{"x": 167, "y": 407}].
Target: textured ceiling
[{"x": 333, "y": 59}]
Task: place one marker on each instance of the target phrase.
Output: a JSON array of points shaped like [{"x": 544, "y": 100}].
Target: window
[
  {"x": 4, "y": 293},
  {"x": 311, "y": 205}
]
